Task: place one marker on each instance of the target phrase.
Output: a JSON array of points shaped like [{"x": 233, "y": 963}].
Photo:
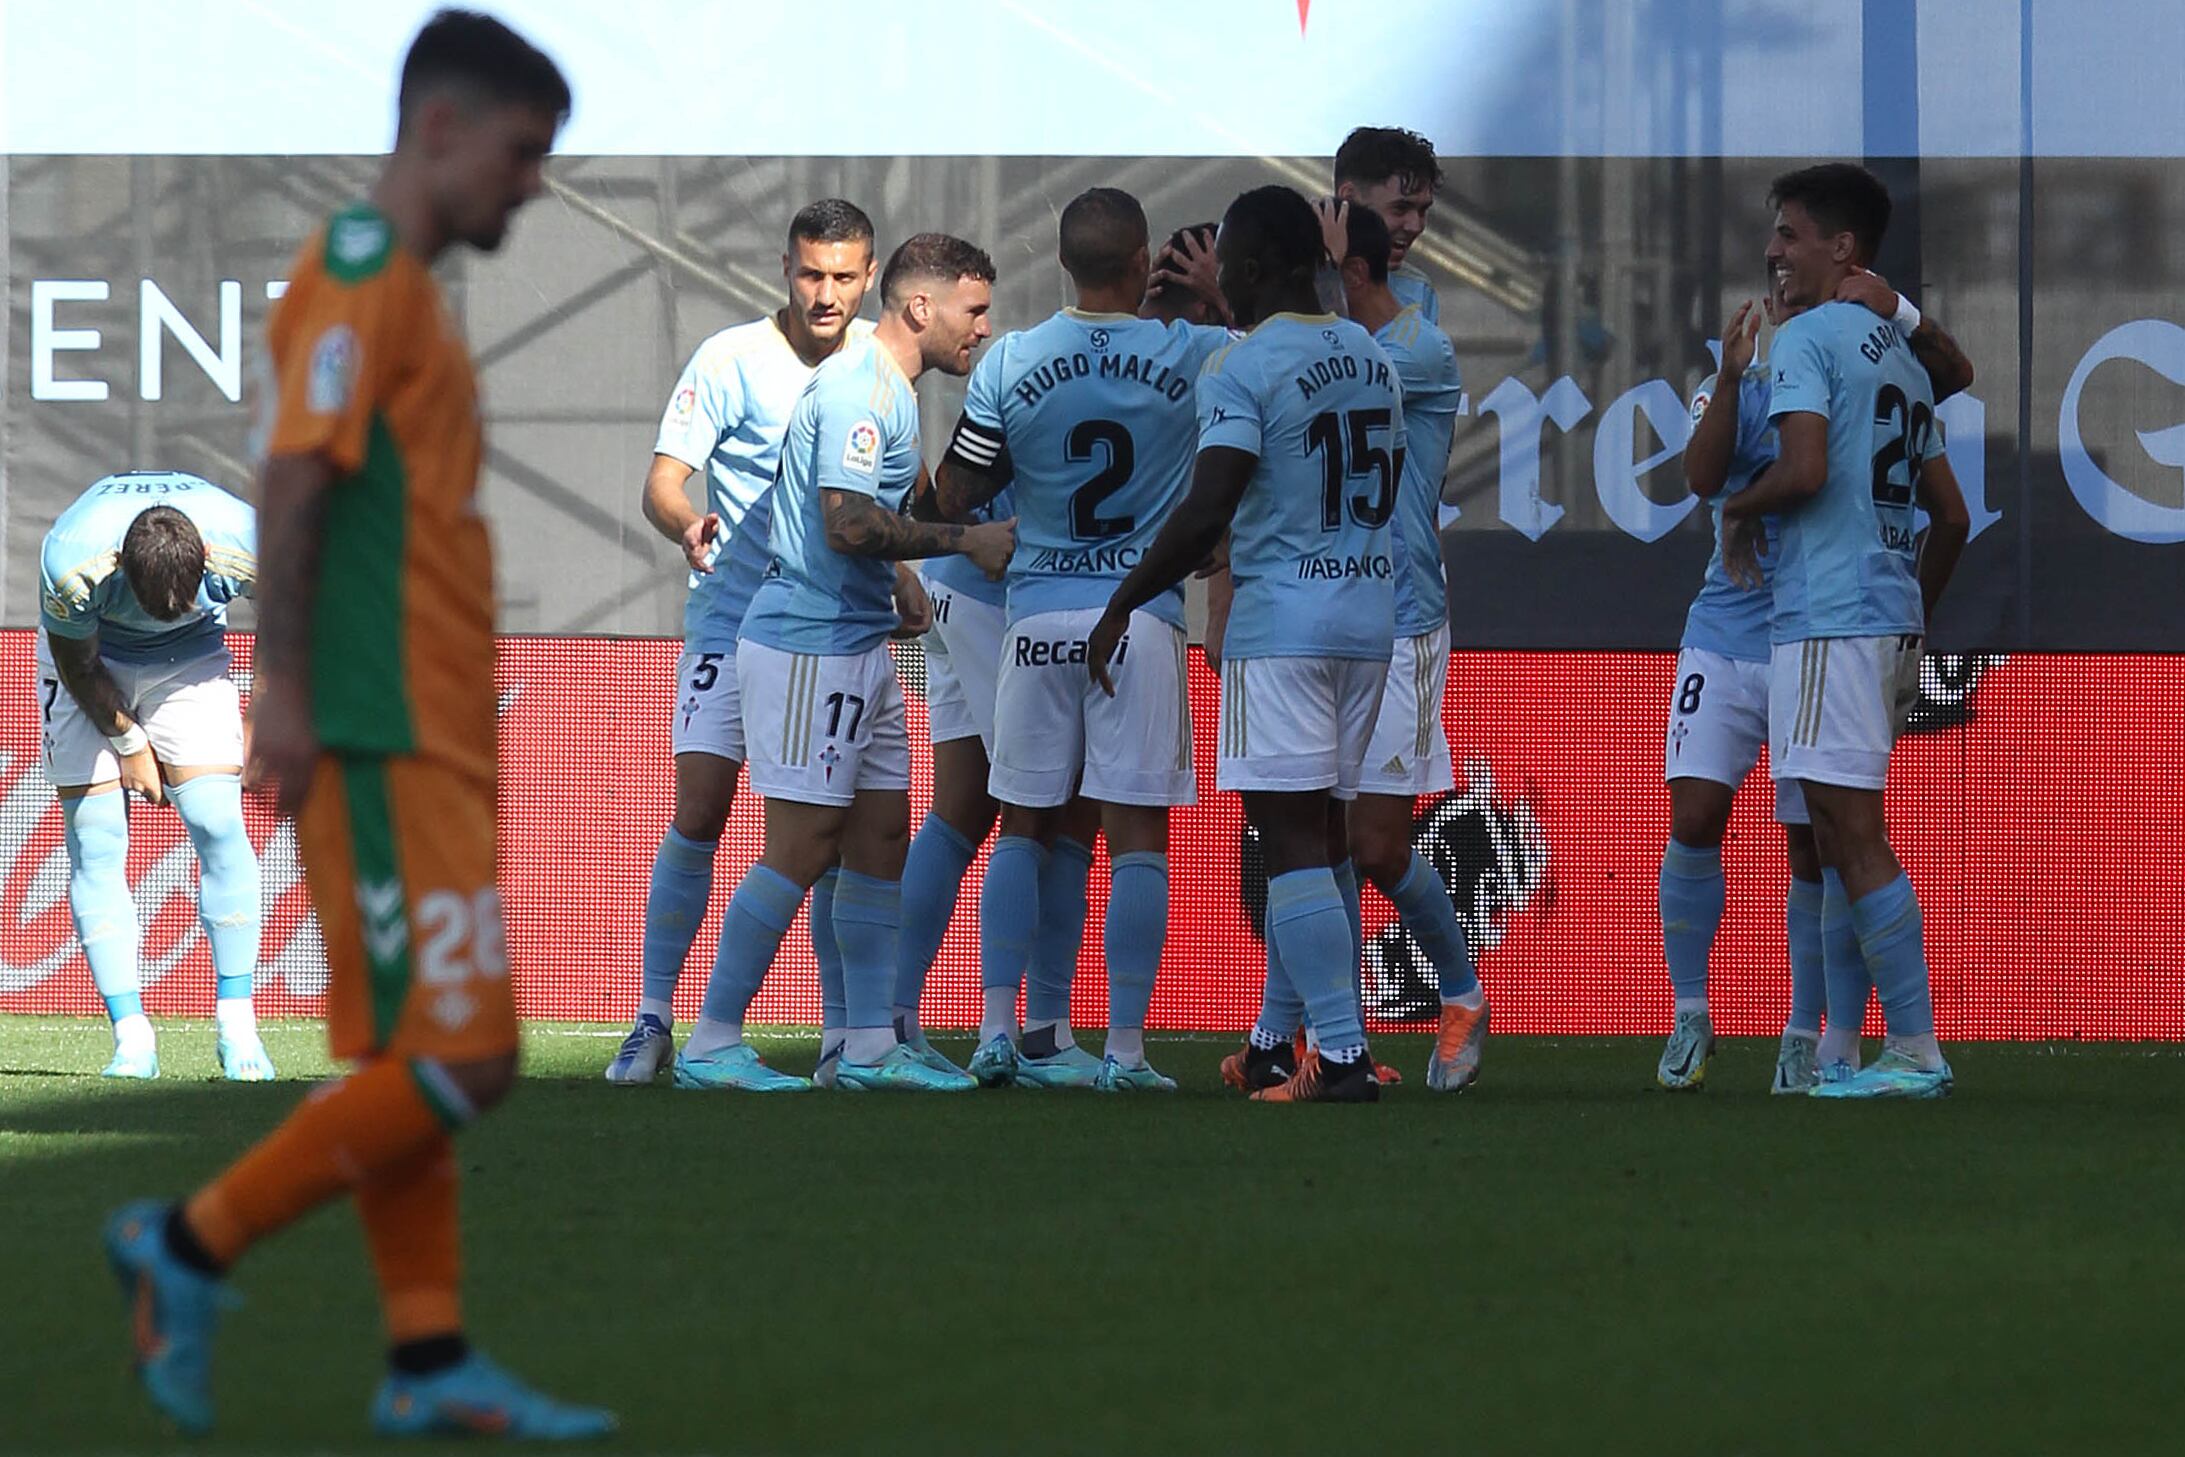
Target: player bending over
[
  {"x": 1718, "y": 715},
  {"x": 135, "y": 579},
  {"x": 824, "y": 709},
  {"x": 374, "y": 717},
  {"x": 1089, "y": 419},
  {"x": 726, "y": 418},
  {"x": 1857, "y": 440},
  {"x": 1301, "y": 446}
]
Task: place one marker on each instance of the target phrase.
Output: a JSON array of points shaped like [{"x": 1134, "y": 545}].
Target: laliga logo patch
[
  {"x": 333, "y": 371},
  {"x": 686, "y": 403},
  {"x": 861, "y": 452}
]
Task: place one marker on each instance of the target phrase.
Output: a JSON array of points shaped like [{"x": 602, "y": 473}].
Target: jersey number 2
[
  {"x": 1347, "y": 453},
  {"x": 1082, "y": 447}
]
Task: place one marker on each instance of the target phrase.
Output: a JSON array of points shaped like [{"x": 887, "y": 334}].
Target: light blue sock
[
  {"x": 1808, "y": 987},
  {"x": 1306, "y": 916},
  {"x": 96, "y": 830},
  {"x": 1691, "y": 912},
  {"x": 868, "y": 925},
  {"x": 1346, "y": 885},
  {"x": 1137, "y": 925},
  {"x": 933, "y": 876},
  {"x": 1009, "y": 910},
  {"x": 1430, "y": 916},
  {"x": 1281, "y": 1009},
  {"x": 211, "y": 807},
  {"x": 675, "y": 906},
  {"x": 1061, "y": 931},
  {"x": 758, "y": 917},
  {"x": 1891, "y": 938},
  {"x": 1843, "y": 964},
  {"x": 827, "y": 951}
]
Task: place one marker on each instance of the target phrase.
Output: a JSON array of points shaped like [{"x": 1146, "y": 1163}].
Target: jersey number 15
[{"x": 1348, "y": 453}]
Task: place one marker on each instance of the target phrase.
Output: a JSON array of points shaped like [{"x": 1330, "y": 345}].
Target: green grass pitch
[{"x": 1565, "y": 1260}]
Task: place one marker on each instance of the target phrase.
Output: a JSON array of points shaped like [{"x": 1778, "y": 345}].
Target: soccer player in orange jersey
[{"x": 374, "y": 723}]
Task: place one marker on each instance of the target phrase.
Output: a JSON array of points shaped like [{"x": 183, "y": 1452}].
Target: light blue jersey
[
  {"x": 1311, "y": 550},
  {"x": 854, "y": 429},
  {"x": 1846, "y": 565},
  {"x": 1426, "y": 367},
  {"x": 726, "y": 418},
  {"x": 84, "y": 594},
  {"x": 1097, "y": 417},
  {"x": 1726, "y": 618},
  {"x": 1414, "y": 291}
]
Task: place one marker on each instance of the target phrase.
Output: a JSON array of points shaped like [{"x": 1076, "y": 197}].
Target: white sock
[
  {"x": 1312, "y": 1039},
  {"x": 134, "y": 1030},
  {"x": 1838, "y": 1044},
  {"x": 659, "y": 1007},
  {"x": 711, "y": 1036},
  {"x": 235, "y": 1017},
  {"x": 1691, "y": 1004},
  {"x": 1127, "y": 1045},
  {"x": 867, "y": 1045},
  {"x": 1471, "y": 1001},
  {"x": 999, "y": 1014},
  {"x": 1808, "y": 1034},
  {"x": 1924, "y": 1049},
  {"x": 1060, "y": 1027}
]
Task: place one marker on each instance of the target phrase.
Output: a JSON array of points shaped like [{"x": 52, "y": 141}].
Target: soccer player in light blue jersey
[
  {"x": 135, "y": 580},
  {"x": 1089, "y": 420},
  {"x": 1394, "y": 173},
  {"x": 823, "y": 710},
  {"x": 726, "y": 418},
  {"x": 1301, "y": 455},
  {"x": 1718, "y": 717},
  {"x": 1853, "y": 589},
  {"x": 1409, "y": 754}
]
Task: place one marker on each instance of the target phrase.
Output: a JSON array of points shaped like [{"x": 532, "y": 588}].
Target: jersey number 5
[
  {"x": 1083, "y": 446},
  {"x": 1348, "y": 453}
]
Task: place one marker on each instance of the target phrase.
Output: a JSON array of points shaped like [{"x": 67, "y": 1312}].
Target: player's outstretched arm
[
  {"x": 666, "y": 504},
  {"x": 1714, "y": 434},
  {"x": 858, "y": 526},
  {"x": 284, "y": 746},
  {"x": 1186, "y": 540},
  {"x": 1949, "y": 527}
]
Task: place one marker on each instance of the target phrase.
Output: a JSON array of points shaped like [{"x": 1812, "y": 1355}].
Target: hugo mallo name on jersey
[{"x": 1318, "y": 405}]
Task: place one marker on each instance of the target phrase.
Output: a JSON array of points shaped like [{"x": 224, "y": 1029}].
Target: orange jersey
[{"x": 371, "y": 375}]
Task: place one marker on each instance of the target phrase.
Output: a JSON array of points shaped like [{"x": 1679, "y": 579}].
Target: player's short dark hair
[
  {"x": 1101, "y": 229},
  {"x": 1369, "y": 241},
  {"x": 473, "y": 51},
  {"x": 1277, "y": 226},
  {"x": 1373, "y": 154},
  {"x": 830, "y": 220},
  {"x": 933, "y": 256},
  {"x": 1200, "y": 233},
  {"x": 1841, "y": 197},
  {"x": 163, "y": 561}
]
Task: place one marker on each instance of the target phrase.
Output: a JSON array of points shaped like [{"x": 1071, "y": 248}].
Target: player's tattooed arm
[
  {"x": 284, "y": 744},
  {"x": 83, "y": 673},
  {"x": 1949, "y": 527},
  {"x": 1189, "y": 536},
  {"x": 1947, "y": 368},
  {"x": 960, "y": 489},
  {"x": 859, "y": 526},
  {"x": 1714, "y": 434}
]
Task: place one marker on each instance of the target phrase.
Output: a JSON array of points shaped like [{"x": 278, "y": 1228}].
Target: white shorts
[
  {"x": 963, "y": 661},
  {"x": 1836, "y": 706},
  {"x": 1718, "y": 724},
  {"x": 1051, "y": 721},
  {"x": 823, "y": 727},
  {"x": 191, "y": 711},
  {"x": 1409, "y": 754},
  {"x": 1295, "y": 724},
  {"x": 709, "y": 706}
]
